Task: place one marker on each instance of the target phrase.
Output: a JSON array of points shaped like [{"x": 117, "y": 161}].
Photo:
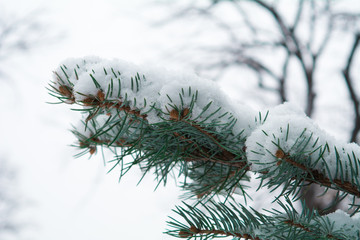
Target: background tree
[
  {"x": 281, "y": 44},
  {"x": 18, "y": 34},
  {"x": 9, "y": 202}
]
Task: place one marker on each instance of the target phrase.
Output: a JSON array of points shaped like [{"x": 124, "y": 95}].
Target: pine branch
[
  {"x": 189, "y": 126},
  {"x": 221, "y": 221},
  {"x": 207, "y": 138},
  {"x": 196, "y": 147},
  {"x": 314, "y": 176},
  {"x": 216, "y": 220},
  {"x": 225, "y": 157},
  {"x": 194, "y": 231},
  {"x": 294, "y": 144}
]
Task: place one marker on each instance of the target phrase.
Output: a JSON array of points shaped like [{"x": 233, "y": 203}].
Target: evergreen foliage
[{"x": 168, "y": 122}]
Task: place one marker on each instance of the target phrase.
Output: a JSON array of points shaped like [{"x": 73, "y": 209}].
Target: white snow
[
  {"x": 162, "y": 89},
  {"x": 156, "y": 91},
  {"x": 343, "y": 223},
  {"x": 287, "y": 128}
]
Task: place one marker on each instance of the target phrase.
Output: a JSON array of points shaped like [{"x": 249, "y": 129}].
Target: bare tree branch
[
  {"x": 282, "y": 79},
  {"x": 9, "y": 202},
  {"x": 349, "y": 83},
  {"x": 245, "y": 16},
  {"x": 329, "y": 31},
  {"x": 298, "y": 15},
  {"x": 292, "y": 45}
]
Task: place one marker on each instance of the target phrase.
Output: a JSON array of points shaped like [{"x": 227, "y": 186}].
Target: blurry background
[{"x": 261, "y": 54}]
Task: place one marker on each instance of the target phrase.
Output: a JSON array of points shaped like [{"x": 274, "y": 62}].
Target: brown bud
[
  {"x": 125, "y": 108},
  {"x": 120, "y": 142},
  {"x": 174, "y": 115},
  {"x": 184, "y": 234},
  {"x": 194, "y": 229},
  {"x": 280, "y": 154},
  {"x": 65, "y": 91},
  {"x": 90, "y": 101},
  {"x": 92, "y": 150},
  {"x": 247, "y": 236},
  {"x": 100, "y": 95},
  {"x": 185, "y": 112}
]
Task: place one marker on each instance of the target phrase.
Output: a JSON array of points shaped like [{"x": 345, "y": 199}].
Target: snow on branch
[
  {"x": 91, "y": 80},
  {"x": 286, "y": 141},
  {"x": 166, "y": 120},
  {"x": 159, "y": 116},
  {"x": 288, "y": 138},
  {"x": 244, "y": 224}
]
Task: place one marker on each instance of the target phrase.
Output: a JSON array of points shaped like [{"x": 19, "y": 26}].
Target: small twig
[
  {"x": 98, "y": 101},
  {"x": 226, "y": 157},
  {"x": 282, "y": 79},
  {"x": 314, "y": 176},
  {"x": 329, "y": 30},
  {"x": 292, "y": 44},
  {"x": 349, "y": 83},
  {"x": 298, "y": 225},
  {"x": 298, "y": 15},
  {"x": 196, "y": 231},
  {"x": 245, "y": 16}
]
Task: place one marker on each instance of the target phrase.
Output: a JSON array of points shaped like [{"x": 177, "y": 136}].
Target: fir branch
[
  {"x": 314, "y": 176},
  {"x": 97, "y": 101},
  {"x": 216, "y": 220},
  {"x": 207, "y": 144},
  {"x": 175, "y": 116},
  {"x": 298, "y": 225},
  {"x": 196, "y": 153},
  {"x": 198, "y": 232},
  {"x": 227, "y": 162},
  {"x": 291, "y": 150},
  {"x": 216, "y": 179},
  {"x": 201, "y": 154},
  {"x": 220, "y": 221}
]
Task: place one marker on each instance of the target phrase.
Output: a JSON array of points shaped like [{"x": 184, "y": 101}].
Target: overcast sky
[
  {"x": 63, "y": 197},
  {"x": 67, "y": 198}
]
